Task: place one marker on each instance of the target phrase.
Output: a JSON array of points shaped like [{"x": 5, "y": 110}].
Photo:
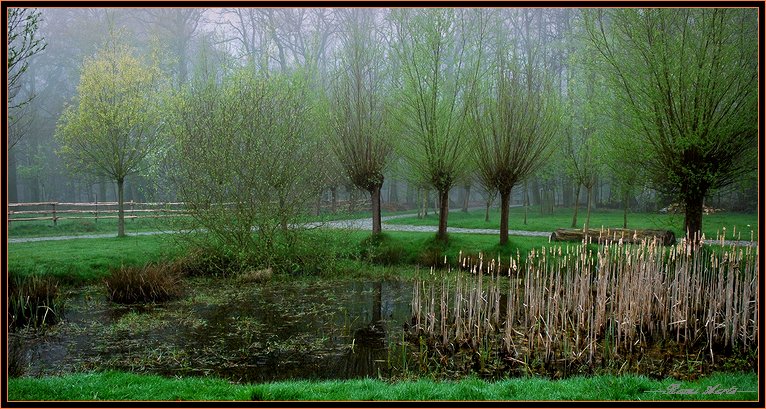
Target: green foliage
[
  {"x": 687, "y": 79},
  {"x": 239, "y": 164},
  {"x": 125, "y": 386},
  {"x": 114, "y": 124},
  {"x": 439, "y": 77}
]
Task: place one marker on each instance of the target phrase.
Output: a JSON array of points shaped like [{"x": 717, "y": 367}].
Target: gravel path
[{"x": 354, "y": 224}]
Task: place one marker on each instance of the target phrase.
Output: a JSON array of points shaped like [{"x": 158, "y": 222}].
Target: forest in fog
[{"x": 430, "y": 91}]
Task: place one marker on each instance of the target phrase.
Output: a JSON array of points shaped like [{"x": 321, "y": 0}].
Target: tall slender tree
[
  {"x": 360, "y": 118},
  {"x": 515, "y": 127},
  {"x": 440, "y": 54},
  {"x": 114, "y": 122}
]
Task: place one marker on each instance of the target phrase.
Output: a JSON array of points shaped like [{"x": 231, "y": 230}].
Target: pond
[
  {"x": 244, "y": 332},
  {"x": 308, "y": 328}
]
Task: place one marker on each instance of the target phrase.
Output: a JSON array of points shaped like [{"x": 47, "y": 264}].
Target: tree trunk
[
  {"x": 318, "y": 205},
  {"x": 505, "y": 198},
  {"x": 375, "y": 198},
  {"x": 410, "y": 195},
  {"x": 486, "y": 212},
  {"x": 101, "y": 192},
  {"x": 590, "y": 200},
  {"x": 334, "y": 203},
  {"x": 13, "y": 192},
  {"x": 120, "y": 208},
  {"x": 526, "y": 201},
  {"x": 466, "y": 197},
  {"x": 425, "y": 203},
  {"x": 566, "y": 191},
  {"x": 393, "y": 192},
  {"x": 443, "y": 212},
  {"x": 351, "y": 200},
  {"x": 576, "y": 205},
  {"x": 693, "y": 215},
  {"x": 625, "y": 204}
]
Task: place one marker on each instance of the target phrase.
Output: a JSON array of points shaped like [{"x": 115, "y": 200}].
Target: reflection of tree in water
[{"x": 369, "y": 342}]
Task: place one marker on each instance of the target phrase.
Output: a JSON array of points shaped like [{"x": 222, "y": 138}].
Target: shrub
[
  {"x": 382, "y": 249},
  {"x": 150, "y": 283},
  {"x": 17, "y": 357},
  {"x": 33, "y": 301}
]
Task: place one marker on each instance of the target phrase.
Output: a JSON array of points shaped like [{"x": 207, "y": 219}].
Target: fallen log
[{"x": 664, "y": 237}]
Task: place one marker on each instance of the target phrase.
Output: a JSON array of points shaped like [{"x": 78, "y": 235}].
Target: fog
[{"x": 191, "y": 44}]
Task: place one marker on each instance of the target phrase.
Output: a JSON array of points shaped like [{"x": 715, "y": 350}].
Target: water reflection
[{"x": 248, "y": 333}]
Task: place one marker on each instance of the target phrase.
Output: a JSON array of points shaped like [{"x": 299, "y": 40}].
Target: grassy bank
[
  {"x": 126, "y": 386},
  {"x": 562, "y": 218},
  {"x": 83, "y": 260},
  {"x": 88, "y": 259}
]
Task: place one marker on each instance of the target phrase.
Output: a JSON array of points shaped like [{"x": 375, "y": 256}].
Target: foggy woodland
[{"x": 443, "y": 108}]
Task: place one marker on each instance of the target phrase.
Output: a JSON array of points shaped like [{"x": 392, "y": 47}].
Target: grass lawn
[
  {"x": 127, "y": 386},
  {"x": 562, "y": 218},
  {"x": 89, "y": 259},
  {"x": 393, "y": 255}
]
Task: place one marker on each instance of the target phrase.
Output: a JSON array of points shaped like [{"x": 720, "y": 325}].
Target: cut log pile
[{"x": 665, "y": 237}]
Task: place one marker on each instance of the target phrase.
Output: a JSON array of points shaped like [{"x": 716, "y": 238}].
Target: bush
[
  {"x": 150, "y": 283},
  {"x": 33, "y": 301},
  {"x": 210, "y": 261},
  {"x": 382, "y": 249}
]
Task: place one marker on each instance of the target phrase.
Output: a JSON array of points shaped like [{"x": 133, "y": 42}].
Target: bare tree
[
  {"x": 440, "y": 54},
  {"x": 515, "y": 126},
  {"x": 24, "y": 42},
  {"x": 363, "y": 141}
]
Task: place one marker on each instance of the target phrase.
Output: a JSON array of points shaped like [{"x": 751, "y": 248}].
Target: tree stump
[{"x": 634, "y": 236}]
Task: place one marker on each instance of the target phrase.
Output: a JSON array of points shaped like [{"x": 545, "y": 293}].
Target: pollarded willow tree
[
  {"x": 515, "y": 130},
  {"x": 362, "y": 139},
  {"x": 114, "y": 123},
  {"x": 439, "y": 52},
  {"x": 689, "y": 79}
]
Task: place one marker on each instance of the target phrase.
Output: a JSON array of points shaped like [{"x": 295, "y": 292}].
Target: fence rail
[
  {"x": 21, "y": 212},
  {"x": 55, "y": 211}
]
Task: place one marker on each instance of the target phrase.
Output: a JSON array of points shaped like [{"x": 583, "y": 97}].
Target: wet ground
[{"x": 245, "y": 332}]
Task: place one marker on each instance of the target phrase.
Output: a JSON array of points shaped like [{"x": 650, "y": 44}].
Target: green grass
[
  {"x": 562, "y": 218},
  {"x": 88, "y": 259},
  {"x": 75, "y": 227},
  {"x": 83, "y": 260},
  {"x": 126, "y": 386}
]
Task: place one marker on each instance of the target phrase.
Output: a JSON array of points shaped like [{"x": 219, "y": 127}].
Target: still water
[{"x": 245, "y": 332}]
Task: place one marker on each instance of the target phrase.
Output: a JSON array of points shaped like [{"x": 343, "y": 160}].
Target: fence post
[
  {"x": 54, "y": 213},
  {"x": 132, "y": 211}
]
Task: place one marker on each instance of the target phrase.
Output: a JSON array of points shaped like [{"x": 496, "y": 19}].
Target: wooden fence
[{"x": 55, "y": 211}]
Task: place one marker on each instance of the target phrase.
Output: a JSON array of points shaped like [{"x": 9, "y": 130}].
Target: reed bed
[{"x": 569, "y": 303}]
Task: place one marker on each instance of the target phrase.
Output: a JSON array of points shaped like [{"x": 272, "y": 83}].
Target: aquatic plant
[
  {"x": 148, "y": 283},
  {"x": 33, "y": 300},
  {"x": 571, "y": 304}
]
